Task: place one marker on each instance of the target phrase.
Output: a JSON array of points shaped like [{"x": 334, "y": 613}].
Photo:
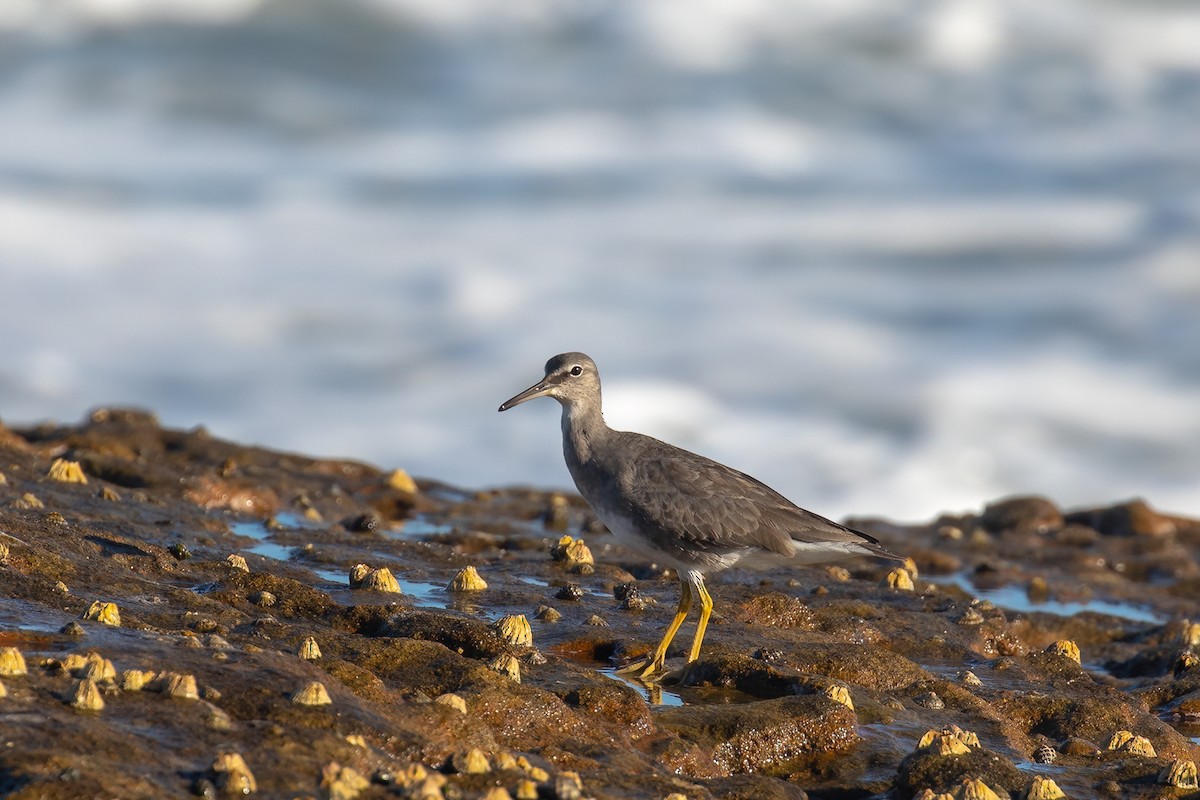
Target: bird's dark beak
[{"x": 539, "y": 389}]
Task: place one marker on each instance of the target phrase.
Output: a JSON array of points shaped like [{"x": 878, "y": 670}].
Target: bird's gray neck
[{"x": 582, "y": 427}]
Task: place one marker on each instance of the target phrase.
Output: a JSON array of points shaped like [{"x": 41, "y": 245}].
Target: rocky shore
[{"x": 181, "y": 615}]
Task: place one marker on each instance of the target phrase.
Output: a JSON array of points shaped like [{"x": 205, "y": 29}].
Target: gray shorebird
[{"x": 678, "y": 508}]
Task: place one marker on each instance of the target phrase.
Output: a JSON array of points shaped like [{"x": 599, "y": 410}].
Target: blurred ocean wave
[{"x": 891, "y": 257}]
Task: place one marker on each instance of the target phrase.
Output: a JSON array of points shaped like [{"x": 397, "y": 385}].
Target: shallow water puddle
[
  {"x": 19, "y": 615},
  {"x": 411, "y": 529},
  {"x": 1014, "y": 598},
  {"x": 430, "y": 595},
  {"x": 653, "y": 694}
]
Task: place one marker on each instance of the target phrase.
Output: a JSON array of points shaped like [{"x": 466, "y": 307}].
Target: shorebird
[{"x": 677, "y": 508}]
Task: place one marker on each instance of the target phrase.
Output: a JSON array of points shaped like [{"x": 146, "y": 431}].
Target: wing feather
[{"x": 714, "y": 508}]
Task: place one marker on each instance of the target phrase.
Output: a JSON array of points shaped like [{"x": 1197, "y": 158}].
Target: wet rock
[
  {"x": 556, "y": 516},
  {"x": 1132, "y": 518},
  {"x": 776, "y": 610},
  {"x": 768, "y": 736},
  {"x": 1022, "y": 515},
  {"x": 930, "y": 768},
  {"x": 361, "y": 523}
]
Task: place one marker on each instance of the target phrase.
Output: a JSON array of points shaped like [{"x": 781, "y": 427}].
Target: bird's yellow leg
[
  {"x": 706, "y": 607},
  {"x": 654, "y": 665}
]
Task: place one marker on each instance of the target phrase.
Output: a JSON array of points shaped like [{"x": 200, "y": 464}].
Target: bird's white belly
[{"x": 626, "y": 534}]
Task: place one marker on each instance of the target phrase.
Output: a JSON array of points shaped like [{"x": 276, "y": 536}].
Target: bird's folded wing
[{"x": 712, "y": 506}]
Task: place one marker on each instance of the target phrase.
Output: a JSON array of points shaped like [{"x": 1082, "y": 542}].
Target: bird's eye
[{"x": 576, "y": 370}]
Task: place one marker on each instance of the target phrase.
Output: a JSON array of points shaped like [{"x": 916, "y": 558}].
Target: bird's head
[{"x": 571, "y": 379}]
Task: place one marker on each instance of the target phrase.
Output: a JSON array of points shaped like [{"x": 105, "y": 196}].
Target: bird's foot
[{"x": 647, "y": 670}]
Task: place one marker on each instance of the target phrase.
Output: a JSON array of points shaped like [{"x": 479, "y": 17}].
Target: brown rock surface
[{"x": 163, "y": 510}]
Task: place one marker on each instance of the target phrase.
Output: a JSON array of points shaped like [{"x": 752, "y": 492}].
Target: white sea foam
[{"x": 890, "y": 258}]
